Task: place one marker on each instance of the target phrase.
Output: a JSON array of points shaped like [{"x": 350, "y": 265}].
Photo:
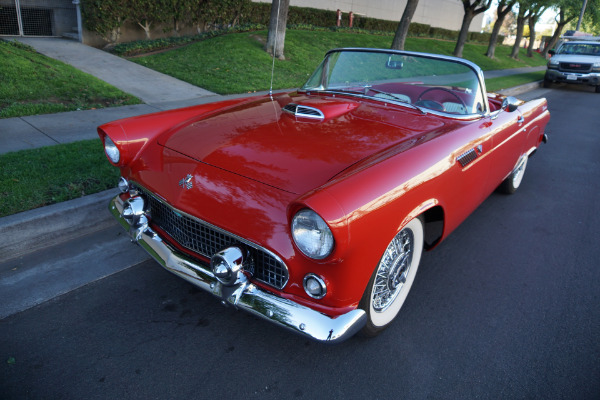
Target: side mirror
[
  {"x": 552, "y": 52},
  {"x": 510, "y": 104}
]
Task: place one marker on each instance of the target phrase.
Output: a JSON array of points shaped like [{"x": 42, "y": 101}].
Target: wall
[{"x": 447, "y": 14}]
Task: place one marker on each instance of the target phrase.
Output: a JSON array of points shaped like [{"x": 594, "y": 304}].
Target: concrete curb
[
  {"x": 517, "y": 90},
  {"x": 36, "y": 229}
]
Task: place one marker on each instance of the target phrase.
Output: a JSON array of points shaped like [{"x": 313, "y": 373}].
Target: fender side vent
[
  {"x": 303, "y": 111},
  {"x": 466, "y": 158}
]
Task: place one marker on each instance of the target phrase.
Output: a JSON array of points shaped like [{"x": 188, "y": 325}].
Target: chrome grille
[
  {"x": 575, "y": 67},
  {"x": 205, "y": 239}
]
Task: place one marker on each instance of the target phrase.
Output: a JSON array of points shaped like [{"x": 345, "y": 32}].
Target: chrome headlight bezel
[
  {"x": 312, "y": 235},
  {"x": 111, "y": 150},
  {"x": 553, "y": 64}
]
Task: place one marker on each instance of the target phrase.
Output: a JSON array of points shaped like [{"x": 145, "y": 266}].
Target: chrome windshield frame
[{"x": 478, "y": 73}]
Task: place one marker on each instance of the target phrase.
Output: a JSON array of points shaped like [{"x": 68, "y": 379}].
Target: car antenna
[{"x": 274, "y": 47}]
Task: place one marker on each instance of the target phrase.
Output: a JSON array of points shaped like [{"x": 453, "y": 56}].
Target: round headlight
[
  {"x": 111, "y": 150},
  {"x": 311, "y": 234}
]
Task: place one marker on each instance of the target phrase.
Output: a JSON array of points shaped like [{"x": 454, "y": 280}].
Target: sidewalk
[
  {"x": 148, "y": 85},
  {"x": 513, "y": 71}
]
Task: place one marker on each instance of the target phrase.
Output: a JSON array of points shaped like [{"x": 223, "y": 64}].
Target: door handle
[{"x": 521, "y": 119}]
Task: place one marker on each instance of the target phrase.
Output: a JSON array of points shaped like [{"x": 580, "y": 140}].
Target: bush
[
  {"x": 311, "y": 16},
  {"x": 375, "y": 24},
  {"x": 106, "y": 16},
  {"x": 441, "y": 33},
  {"x": 146, "y": 46},
  {"x": 416, "y": 29}
]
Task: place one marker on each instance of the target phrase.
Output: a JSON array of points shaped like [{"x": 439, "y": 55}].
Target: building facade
[{"x": 447, "y": 14}]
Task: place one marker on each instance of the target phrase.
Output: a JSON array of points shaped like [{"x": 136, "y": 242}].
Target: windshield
[
  {"x": 586, "y": 49},
  {"x": 423, "y": 81}
]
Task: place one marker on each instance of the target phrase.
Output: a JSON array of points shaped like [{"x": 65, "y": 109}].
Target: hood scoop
[{"x": 303, "y": 111}]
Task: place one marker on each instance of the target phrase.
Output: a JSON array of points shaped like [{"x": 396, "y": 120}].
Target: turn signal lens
[
  {"x": 311, "y": 234},
  {"x": 314, "y": 286},
  {"x": 111, "y": 150}
]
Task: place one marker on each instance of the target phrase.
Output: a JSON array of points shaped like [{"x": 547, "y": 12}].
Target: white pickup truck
[{"x": 575, "y": 62}]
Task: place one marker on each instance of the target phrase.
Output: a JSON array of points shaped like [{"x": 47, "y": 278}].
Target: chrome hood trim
[{"x": 303, "y": 111}]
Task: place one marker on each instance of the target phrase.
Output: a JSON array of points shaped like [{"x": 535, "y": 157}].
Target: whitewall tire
[{"x": 393, "y": 277}]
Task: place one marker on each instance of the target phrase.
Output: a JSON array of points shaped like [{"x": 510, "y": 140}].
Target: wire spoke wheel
[
  {"x": 393, "y": 269},
  {"x": 393, "y": 277}
]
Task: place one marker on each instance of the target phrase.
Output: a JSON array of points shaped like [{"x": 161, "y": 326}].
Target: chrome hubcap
[{"x": 393, "y": 270}]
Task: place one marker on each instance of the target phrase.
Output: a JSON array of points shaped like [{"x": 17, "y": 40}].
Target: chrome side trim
[
  {"x": 245, "y": 295},
  {"x": 467, "y": 157}
]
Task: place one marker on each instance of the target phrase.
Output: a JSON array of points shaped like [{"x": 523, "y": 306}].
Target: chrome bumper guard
[{"x": 244, "y": 295}]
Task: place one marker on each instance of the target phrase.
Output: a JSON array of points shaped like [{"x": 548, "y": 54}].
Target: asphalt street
[{"x": 505, "y": 308}]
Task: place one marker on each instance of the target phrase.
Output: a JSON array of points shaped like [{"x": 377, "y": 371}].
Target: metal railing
[{"x": 39, "y": 18}]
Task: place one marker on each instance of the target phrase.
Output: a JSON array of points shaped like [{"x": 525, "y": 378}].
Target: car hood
[
  {"x": 260, "y": 141},
  {"x": 576, "y": 58}
]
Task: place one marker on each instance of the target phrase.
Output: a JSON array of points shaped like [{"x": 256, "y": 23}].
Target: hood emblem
[{"x": 186, "y": 182}]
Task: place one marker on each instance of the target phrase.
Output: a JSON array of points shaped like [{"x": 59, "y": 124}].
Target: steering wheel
[{"x": 462, "y": 103}]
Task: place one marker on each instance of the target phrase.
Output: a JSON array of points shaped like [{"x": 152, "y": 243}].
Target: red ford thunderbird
[{"x": 311, "y": 209}]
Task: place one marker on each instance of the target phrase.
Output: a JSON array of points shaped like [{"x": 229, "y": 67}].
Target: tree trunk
[
  {"x": 464, "y": 32},
  {"x": 503, "y": 10},
  {"x": 553, "y": 39},
  {"x": 277, "y": 26},
  {"x": 471, "y": 10},
  {"x": 533, "y": 19},
  {"x": 521, "y": 19},
  {"x": 402, "y": 31},
  {"x": 561, "y": 23},
  {"x": 146, "y": 27},
  {"x": 175, "y": 27}
]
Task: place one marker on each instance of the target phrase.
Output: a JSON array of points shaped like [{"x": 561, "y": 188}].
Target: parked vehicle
[
  {"x": 311, "y": 209},
  {"x": 577, "y": 60}
]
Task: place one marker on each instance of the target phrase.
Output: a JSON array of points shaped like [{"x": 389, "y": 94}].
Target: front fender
[{"x": 132, "y": 135}]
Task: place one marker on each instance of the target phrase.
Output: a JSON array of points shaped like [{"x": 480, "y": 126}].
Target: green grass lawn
[
  {"x": 495, "y": 84},
  {"x": 32, "y": 83},
  {"x": 236, "y": 63},
  {"x": 40, "y": 177}
]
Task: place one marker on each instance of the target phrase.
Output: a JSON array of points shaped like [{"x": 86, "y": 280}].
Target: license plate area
[{"x": 571, "y": 77}]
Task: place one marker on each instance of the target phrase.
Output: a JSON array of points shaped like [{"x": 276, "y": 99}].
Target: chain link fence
[{"x": 38, "y": 18}]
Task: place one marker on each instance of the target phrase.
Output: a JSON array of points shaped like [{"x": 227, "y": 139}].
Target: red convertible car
[{"x": 311, "y": 209}]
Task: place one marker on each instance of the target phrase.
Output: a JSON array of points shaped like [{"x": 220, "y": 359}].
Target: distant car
[
  {"x": 575, "y": 62},
  {"x": 310, "y": 209}
]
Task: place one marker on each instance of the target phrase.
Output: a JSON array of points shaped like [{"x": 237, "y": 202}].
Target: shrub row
[
  {"x": 106, "y": 16},
  {"x": 146, "y": 46}
]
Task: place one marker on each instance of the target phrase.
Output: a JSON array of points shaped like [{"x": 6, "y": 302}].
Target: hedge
[{"x": 102, "y": 16}]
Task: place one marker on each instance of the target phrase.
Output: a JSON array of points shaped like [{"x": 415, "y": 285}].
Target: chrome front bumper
[
  {"x": 244, "y": 295},
  {"x": 587, "y": 78}
]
